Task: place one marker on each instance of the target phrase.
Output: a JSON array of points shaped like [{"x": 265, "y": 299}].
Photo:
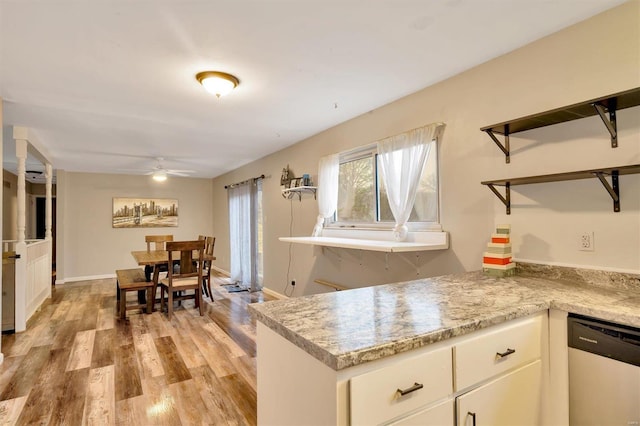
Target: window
[{"x": 362, "y": 197}]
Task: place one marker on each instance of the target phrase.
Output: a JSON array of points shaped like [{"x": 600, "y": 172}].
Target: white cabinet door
[
  {"x": 512, "y": 399},
  {"x": 438, "y": 415}
]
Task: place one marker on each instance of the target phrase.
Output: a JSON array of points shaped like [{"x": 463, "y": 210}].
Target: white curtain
[
  {"x": 243, "y": 229},
  {"x": 327, "y": 194},
  {"x": 402, "y": 160}
]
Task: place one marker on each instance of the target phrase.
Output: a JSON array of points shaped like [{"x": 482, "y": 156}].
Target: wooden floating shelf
[
  {"x": 558, "y": 177},
  {"x": 612, "y": 189},
  {"x": 599, "y": 106}
]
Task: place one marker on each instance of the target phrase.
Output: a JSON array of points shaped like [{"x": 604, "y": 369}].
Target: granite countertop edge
[
  {"x": 353, "y": 358},
  {"x": 537, "y": 301}
]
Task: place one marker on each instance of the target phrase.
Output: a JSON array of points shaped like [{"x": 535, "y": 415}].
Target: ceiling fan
[{"x": 159, "y": 173}]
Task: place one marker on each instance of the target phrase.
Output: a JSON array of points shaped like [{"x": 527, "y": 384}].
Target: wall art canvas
[{"x": 144, "y": 212}]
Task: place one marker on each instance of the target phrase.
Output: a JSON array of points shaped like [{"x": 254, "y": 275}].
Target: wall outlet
[{"x": 585, "y": 241}]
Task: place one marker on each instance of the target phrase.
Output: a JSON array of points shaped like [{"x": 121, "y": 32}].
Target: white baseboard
[
  {"x": 87, "y": 278},
  {"x": 221, "y": 271},
  {"x": 274, "y": 293},
  {"x": 264, "y": 289}
]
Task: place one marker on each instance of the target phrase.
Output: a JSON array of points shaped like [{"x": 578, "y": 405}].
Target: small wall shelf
[
  {"x": 613, "y": 189},
  {"x": 599, "y": 106},
  {"x": 289, "y": 193}
]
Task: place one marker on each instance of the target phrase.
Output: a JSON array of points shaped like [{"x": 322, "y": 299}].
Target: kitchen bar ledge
[
  {"x": 349, "y": 328},
  {"x": 375, "y": 240}
]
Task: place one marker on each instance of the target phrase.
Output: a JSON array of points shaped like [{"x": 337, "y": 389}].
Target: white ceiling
[{"x": 107, "y": 86}]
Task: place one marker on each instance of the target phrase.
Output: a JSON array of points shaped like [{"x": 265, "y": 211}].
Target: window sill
[{"x": 418, "y": 241}]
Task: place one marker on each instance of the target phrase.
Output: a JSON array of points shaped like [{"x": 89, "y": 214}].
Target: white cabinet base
[
  {"x": 294, "y": 386},
  {"x": 296, "y": 389}
]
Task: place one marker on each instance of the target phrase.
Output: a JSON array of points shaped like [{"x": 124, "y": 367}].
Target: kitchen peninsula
[{"x": 322, "y": 349}]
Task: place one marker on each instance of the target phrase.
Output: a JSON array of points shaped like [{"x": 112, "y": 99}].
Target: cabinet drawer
[
  {"x": 375, "y": 397},
  {"x": 479, "y": 358}
]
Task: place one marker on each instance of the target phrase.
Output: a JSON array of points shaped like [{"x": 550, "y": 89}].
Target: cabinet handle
[
  {"x": 416, "y": 386},
  {"x": 504, "y": 354},
  {"x": 473, "y": 417}
]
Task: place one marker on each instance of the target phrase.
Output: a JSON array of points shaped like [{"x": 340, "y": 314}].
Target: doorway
[{"x": 41, "y": 218}]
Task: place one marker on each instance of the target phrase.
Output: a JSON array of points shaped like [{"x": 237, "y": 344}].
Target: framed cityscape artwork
[{"x": 144, "y": 212}]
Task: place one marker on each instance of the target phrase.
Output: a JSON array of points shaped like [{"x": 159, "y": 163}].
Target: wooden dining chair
[
  {"x": 210, "y": 243},
  {"x": 189, "y": 277},
  {"x": 157, "y": 241}
]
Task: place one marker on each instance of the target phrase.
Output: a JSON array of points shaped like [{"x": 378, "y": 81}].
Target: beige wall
[
  {"x": 87, "y": 244},
  {"x": 40, "y": 189},
  {"x": 594, "y": 58}
]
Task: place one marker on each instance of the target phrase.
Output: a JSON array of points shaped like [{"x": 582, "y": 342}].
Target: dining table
[{"x": 155, "y": 259}]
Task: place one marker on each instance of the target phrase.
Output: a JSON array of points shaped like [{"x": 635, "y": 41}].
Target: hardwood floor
[{"x": 77, "y": 363}]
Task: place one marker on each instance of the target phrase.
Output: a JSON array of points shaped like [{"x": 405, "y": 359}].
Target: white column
[
  {"x": 21, "y": 245},
  {"x": 21, "y": 154},
  {"x": 48, "y": 170}
]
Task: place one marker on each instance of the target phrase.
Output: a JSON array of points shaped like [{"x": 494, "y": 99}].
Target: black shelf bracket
[
  {"x": 609, "y": 122},
  {"x": 613, "y": 189},
  {"x": 506, "y": 199},
  {"x": 504, "y": 148}
]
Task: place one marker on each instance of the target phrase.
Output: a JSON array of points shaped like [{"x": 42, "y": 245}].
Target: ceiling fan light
[
  {"x": 159, "y": 176},
  {"x": 217, "y": 83}
]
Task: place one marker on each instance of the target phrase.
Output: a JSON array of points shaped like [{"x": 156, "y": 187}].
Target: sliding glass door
[{"x": 245, "y": 232}]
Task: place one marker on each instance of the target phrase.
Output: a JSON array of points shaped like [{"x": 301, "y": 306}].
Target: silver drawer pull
[
  {"x": 505, "y": 354},
  {"x": 416, "y": 386}
]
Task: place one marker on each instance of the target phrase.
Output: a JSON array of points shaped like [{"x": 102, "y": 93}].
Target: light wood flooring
[{"x": 77, "y": 363}]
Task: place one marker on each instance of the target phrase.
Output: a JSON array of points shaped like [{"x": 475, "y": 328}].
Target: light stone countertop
[{"x": 351, "y": 327}]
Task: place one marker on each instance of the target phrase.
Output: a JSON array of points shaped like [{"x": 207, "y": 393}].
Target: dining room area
[{"x": 127, "y": 354}]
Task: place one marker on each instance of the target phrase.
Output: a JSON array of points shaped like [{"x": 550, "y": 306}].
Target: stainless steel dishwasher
[{"x": 604, "y": 373}]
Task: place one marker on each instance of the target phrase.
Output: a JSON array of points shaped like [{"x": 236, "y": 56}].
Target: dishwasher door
[{"x": 603, "y": 390}]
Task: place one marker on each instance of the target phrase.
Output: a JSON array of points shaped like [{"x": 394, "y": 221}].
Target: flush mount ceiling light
[
  {"x": 217, "y": 83},
  {"x": 159, "y": 176}
]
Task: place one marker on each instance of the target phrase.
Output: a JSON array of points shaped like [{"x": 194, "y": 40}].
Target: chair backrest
[
  {"x": 188, "y": 267},
  {"x": 210, "y": 243},
  {"x": 158, "y": 241}
]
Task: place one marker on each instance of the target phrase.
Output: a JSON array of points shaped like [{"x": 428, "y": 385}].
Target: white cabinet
[
  {"x": 512, "y": 399},
  {"x": 496, "y": 373}
]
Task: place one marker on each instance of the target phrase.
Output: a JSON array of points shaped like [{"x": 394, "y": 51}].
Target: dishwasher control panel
[{"x": 607, "y": 339}]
